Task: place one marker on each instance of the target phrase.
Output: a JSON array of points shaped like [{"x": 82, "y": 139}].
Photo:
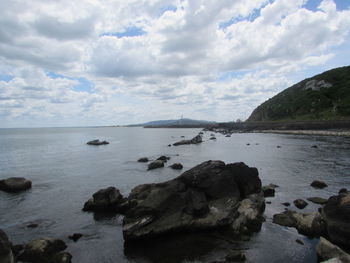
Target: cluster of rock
[
  {"x": 195, "y": 140},
  {"x": 97, "y": 142},
  {"x": 159, "y": 163}
]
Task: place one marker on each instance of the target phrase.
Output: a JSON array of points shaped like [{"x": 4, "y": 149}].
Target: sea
[{"x": 65, "y": 172}]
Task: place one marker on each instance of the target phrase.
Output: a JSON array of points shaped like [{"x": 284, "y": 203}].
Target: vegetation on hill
[{"x": 323, "y": 97}]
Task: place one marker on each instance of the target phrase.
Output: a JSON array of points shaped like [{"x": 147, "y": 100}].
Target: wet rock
[
  {"x": 269, "y": 190},
  {"x": 17, "y": 250},
  {"x": 195, "y": 140},
  {"x": 176, "y": 166},
  {"x": 33, "y": 225},
  {"x": 63, "y": 257},
  {"x": 155, "y": 164},
  {"x": 336, "y": 214},
  {"x": 6, "y": 255},
  {"x": 328, "y": 251},
  {"x": 343, "y": 191},
  {"x": 318, "y": 184},
  {"x": 248, "y": 144},
  {"x": 208, "y": 196},
  {"x": 108, "y": 199},
  {"x": 163, "y": 158},
  {"x": 76, "y": 236},
  {"x": 97, "y": 142},
  {"x": 310, "y": 224},
  {"x": 143, "y": 160},
  {"x": 43, "y": 250},
  {"x": 268, "y": 202},
  {"x": 286, "y": 204},
  {"x": 169, "y": 145},
  {"x": 318, "y": 200},
  {"x": 278, "y": 146},
  {"x": 314, "y": 146},
  {"x": 228, "y": 135},
  {"x": 15, "y": 184},
  {"x": 300, "y": 203},
  {"x": 236, "y": 256},
  {"x": 299, "y": 241},
  {"x": 212, "y": 138}
]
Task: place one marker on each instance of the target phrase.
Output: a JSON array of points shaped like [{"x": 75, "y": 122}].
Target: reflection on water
[{"x": 66, "y": 172}]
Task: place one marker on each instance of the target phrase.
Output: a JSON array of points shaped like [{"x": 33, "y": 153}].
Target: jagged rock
[
  {"x": 6, "y": 255},
  {"x": 195, "y": 140},
  {"x": 75, "y": 237},
  {"x": 300, "y": 203},
  {"x": 143, "y": 160},
  {"x": 108, "y": 199},
  {"x": 327, "y": 251},
  {"x": 97, "y": 142},
  {"x": 269, "y": 190},
  {"x": 336, "y": 213},
  {"x": 310, "y": 224},
  {"x": 15, "y": 184},
  {"x": 43, "y": 250},
  {"x": 156, "y": 164},
  {"x": 318, "y": 200},
  {"x": 163, "y": 158},
  {"x": 63, "y": 257},
  {"x": 343, "y": 191},
  {"x": 318, "y": 184},
  {"x": 176, "y": 166},
  {"x": 210, "y": 195}
]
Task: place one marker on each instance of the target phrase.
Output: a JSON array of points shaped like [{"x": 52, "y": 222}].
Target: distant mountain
[
  {"x": 323, "y": 97},
  {"x": 173, "y": 123}
]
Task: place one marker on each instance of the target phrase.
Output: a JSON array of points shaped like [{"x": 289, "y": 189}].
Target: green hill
[{"x": 323, "y": 97}]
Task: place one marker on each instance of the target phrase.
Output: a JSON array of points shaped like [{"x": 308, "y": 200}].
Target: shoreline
[{"x": 307, "y": 132}]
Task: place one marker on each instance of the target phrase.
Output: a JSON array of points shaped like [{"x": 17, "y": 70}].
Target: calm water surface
[{"x": 65, "y": 173}]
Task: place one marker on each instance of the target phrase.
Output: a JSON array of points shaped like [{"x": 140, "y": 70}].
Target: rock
[
  {"x": 236, "y": 256},
  {"x": 269, "y": 190},
  {"x": 155, "y": 164},
  {"x": 195, "y": 140},
  {"x": 209, "y": 196},
  {"x": 286, "y": 204},
  {"x": 169, "y": 145},
  {"x": 278, "y": 146},
  {"x": 311, "y": 224},
  {"x": 268, "y": 202},
  {"x": 327, "y": 251},
  {"x": 15, "y": 184},
  {"x": 314, "y": 146},
  {"x": 318, "y": 200},
  {"x": 343, "y": 191},
  {"x": 33, "y": 225},
  {"x": 248, "y": 144},
  {"x": 336, "y": 214},
  {"x": 163, "y": 158},
  {"x": 318, "y": 184},
  {"x": 75, "y": 237},
  {"x": 143, "y": 160},
  {"x": 63, "y": 257},
  {"x": 6, "y": 255},
  {"x": 42, "y": 250},
  {"x": 228, "y": 135},
  {"x": 299, "y": 241},
  {"x": 97, "y": 142},
  {"x": 212, "y": 138},
  {"x": 300, "y": 203},
  {"x": 108, "y": 199},
  {"x": 176, "y": 166}
]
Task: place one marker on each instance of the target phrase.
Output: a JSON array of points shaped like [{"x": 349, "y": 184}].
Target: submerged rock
[
  {"x": 108, "y": 199},
  {"x": 76, "y": 236},
  {"x": 97, "y": 142},
  {"x": 318, "y": 184},
  {"x": 208, "y": 196},
  {"x": 15, "y": 184},
  {"x": 163, "y": 158},
  {"x": 6, "y": 255},
  {"x": 156, "y": 164},
  {"x": 43, "y": 250},
  {"x": 336, "y": 213},
  {"x": 269, "y": 190},
  {"x": 143, "y": 160},
  {"x": 318, "y": 200},
  {"x": 327, "y": 251},
  {"x": 176, "y": 166},
  {"x": 300, "y": 203},
  {"x": 195, "y": 140}
]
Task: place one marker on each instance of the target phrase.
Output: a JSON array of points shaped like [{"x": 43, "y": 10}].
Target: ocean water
[{"x": 65, "y": 173}]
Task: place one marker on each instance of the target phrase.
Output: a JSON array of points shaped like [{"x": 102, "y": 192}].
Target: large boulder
[
  {"x": 195, "y": 140},
  {"x": 309, "y": 224},
  {"x": 43, "y": 250},
  {"x": 210, "y": 195},
  {"x": 327, "y": 251},
  {"x": 6, "y": 255},
  {"x": 336, "y": 214},
  {"x": 15, "y": 184},
  {"x": 108, "y": 199},
  {"x": 176, "y": 166},
  {"x": 318, "y": 184}
]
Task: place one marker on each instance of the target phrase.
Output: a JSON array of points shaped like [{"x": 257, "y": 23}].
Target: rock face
[
  {"x": 97, "y": 142},
  {"x": 43, "y": 250},
  {"x": 210, "y": 195},
  {"x": 156, "y": 164},
  {"x": 336, "y": 213},
  {"x": 318, "y": 184},
  {"x": 197, "y": 139},
  {"x": 176, "y": 166},
  {"x": 310, "y": 224},
  {"x": 326, "y": 251},
  {"x": 6, "y": 255},
  {"x": 15, "y": 184},
  {"x": 108, "y": 199}
]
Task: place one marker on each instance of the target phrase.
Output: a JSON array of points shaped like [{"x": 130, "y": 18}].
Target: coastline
[{"x": 307, "y": 132}]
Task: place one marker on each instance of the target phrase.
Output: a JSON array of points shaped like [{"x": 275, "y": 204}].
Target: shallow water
[{"x": 65, "y": 172}]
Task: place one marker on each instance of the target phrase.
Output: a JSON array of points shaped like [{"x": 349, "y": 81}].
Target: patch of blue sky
[
  {"x": 251, "y": 17},
  {"x": 313, "y": 4},
  {"x": 6, "y": 77},
  {"x": 84, "y": 84},
  {"x": 167, "y": 8},
  {"x": 132, "y": 31},
  {"x": 227, "y": 76}
]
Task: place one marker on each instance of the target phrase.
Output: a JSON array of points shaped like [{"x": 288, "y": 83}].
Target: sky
[{"x": 91, "y": 63}]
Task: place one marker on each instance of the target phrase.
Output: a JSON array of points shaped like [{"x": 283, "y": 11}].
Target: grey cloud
[{"x": 230, "y": 97}]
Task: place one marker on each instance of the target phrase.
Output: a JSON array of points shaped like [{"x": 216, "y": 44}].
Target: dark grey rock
[
  {"x": 318, "y": 200},
  {"x": 108, "y": 199},
  {"x": 15, "y": 184},
  {"x": 176, "y": 166},
  {"x": 328, "y": 251},
  {"x": 33, "y": 225},
  {"x": 6, "y": 255},
  {"x": 155, "y": 164},
  {"x": 195, "y": 140},
  {"x": 343, "y": 191},
  {"x": 318, "y": 184},
  {"x": 143, "y": 160},
  {"x": 269, "y": 190},
  {"x": 164, "y": 158},
  {"x": 97, "y": 142},
  {"x": 286, "y": 204},
  {"x": 63, "y": 257},
  {"x": 300, "y": 203},
  {"x": 76, "y": 236},
  {"x": 236, "y": 256},
  {"x": 299, "y": 242}
]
